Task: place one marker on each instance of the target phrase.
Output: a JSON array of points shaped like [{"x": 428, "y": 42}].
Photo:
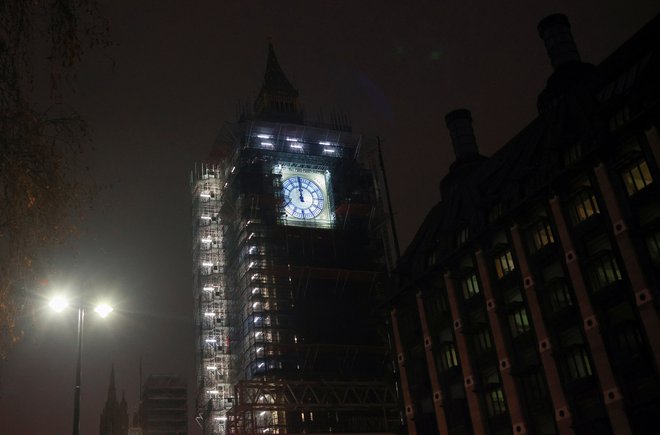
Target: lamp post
[{"x": 59, "y": 304}]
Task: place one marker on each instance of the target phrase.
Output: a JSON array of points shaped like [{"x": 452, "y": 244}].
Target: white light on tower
[
  {"x": 58, "y": 303},
  {"x": 103, "y": 310}
]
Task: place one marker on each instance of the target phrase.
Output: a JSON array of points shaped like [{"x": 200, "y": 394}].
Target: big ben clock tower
[{"x": 291, "y": 244}]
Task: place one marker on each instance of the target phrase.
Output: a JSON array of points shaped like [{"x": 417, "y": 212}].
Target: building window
[
  {"x": 653, "y": 245},
  {"x": 518, "y": 320},
  {"x": 504, "y": 263},
  {"x": 482, "y": 340},
  {"x": 572, "y": 154},
  {"x": 495, "y": 212},
  {"x": 535, "y": 385},
  {"x": 575, "y": 361},
  {"x": 462, "y": 236},
  {"x": 620, "y": 118},
  {"x": 432, "y": 259},
  {"x": 628, "y": 339},
  {"x": 495, "y": 401},
  {"x": 558, "y": 294},
  {"x": 540, "y": 234},
  {"x": 470, "y": 286},
  {"x": 448, "y": 358},
  {"x": 573, "y": 357},
  {"x": 603, "y": 271},
  {"x": 582, "y": 206},
  {"x": 436, "y": 305},
  {"x": 636, "y": 176}
]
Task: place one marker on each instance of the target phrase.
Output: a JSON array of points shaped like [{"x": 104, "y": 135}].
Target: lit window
[
  {"x": 541, "y": 235},
  {"x": 518, "y": 321},
  {"x": 603, "y": 271},
  {"x": 504, "y": 263},
  {"x": 575, "y": 362},
  {"x": 495, "y": 401},
  {"x": 582, "y": 206},
  {"x": 636, "y": 176},
  {"x": 448, "y": 358},
  {"x": 470, "y": 286}
]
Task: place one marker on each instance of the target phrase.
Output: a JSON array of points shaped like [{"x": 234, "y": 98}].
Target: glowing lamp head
[
  {"x": 58, "y": 303},
  {"x": 103, "y": 310}
]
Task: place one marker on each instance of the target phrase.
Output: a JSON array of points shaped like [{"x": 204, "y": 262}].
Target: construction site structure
[
  {"x": 163, "y": 406},
  {"x": 292, "y": 242}
]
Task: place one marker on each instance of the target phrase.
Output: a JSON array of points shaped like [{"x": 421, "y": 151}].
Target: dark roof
[
  {"x": 275, "y": 80},
  {"x": 577, "y": 111}
]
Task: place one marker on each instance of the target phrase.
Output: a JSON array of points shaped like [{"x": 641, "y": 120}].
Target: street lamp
[{"x": 58, "y": 304}]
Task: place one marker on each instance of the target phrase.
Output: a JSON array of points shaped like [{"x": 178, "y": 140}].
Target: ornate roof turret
[
  {"x": 123, "y": 405},
  {"x": 275, "y": 80},
  {"x": 112, "y": 390},
  {"x": 114, "y": 417},
  {"x": 278, "y": 99}
]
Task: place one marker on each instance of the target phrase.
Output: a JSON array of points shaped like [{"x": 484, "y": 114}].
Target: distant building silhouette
[
  {"x": 114, "y": 417},
  {"x": 528, "y": 301},
  {"x": 164, "y": 406}
]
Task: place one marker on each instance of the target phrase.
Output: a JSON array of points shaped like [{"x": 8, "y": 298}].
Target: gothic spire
[
  {"x": 123, "y": 405},
  {"x": 278, "y": 99},
  {"x": 112, "y": 390},
  {"x": 275, "y": 80}
]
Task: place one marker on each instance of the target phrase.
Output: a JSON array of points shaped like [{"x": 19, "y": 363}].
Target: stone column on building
[
  {"x": 403, "y": 375},
  {"x": 476, "y": 413},
  {"x": 510, "y": 389},
  {"x": 640, "y": 287},
  {"x": 563, "y": 415},
  {"x": 440, "y": 417},
  {"x": 611, "y": 392}
]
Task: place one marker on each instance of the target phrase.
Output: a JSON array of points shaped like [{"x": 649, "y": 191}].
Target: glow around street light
[
  {"x": 103, "y": 310},
  {"x": 58, "y": 303}
]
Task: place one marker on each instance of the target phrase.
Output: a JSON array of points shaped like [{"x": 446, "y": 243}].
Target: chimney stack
[
  {"x": 555, "y": 30},
  {"x": 459, "y": 123}
]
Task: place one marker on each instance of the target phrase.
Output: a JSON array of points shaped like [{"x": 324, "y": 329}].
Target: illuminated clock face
[{"x": 303, "y": 198}]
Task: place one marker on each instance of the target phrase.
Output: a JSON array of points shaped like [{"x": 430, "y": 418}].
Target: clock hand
[{"x": 300, "y": 190}]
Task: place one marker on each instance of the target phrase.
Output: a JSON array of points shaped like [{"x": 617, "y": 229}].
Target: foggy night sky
[{"x": 156, "y": 102}]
